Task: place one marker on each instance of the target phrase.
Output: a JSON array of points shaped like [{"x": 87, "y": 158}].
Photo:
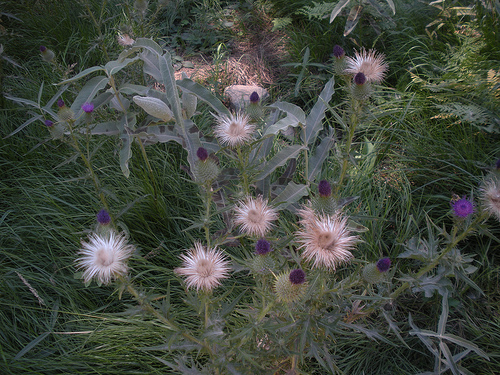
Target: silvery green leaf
[
  {"x": 314, "y": 121},
  {"x": 291, "y": 194},
  {"x": 88, "y": 92},
  {"x": 83, "y": 74},
  {"x": 154, "y": 107},
  {"x": 279, "y": 159},
  {"x": 187, "y": 85},
  {"x": 338, "y": 8},
  {"x": 113, "y": 67}
]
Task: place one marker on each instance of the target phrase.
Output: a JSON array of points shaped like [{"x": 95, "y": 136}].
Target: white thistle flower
[
  {"x": 325, "y": 239},
  {"x": 203, "y": 267},
  {"x": 255, "y": 216},
  {"x": 104, "y": 257},
  {"x": 234, "y": 130},
  {"x": 370, "y": 63}
]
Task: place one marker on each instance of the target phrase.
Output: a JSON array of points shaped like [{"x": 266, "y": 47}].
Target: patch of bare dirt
[{"x": 254, "y": 57}]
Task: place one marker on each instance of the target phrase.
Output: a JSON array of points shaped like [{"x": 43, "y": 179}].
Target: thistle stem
[
  {"x": 89, "y": 167},
  {"x": 171, "y": 325}
]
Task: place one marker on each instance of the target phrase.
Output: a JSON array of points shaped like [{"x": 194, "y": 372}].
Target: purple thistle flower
[
  {"x": 43, "y": 49},
  {"x": 262, "y": 247},
  {"x": 463, "y": 208},
  {"x": 359, "y": 79},
  {"x": 254, "y": 97},
  {"x": 60, "y": 103},
  {"x": 497, "y": 165},
  {"x": 49, "y": 123},
  {"x": 324, "y": 189},
  {"x": 297, "y": 276},
  {"x": 384, "y": 264},
  {"x": 202, "y": 154},
  {"x": 88, "y": 107},
  {"x": 338, "y": 51},
  {"x": 103, "y": 217}
]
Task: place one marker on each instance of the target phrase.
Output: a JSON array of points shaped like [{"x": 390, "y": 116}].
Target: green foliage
[{"x": 394, "y": 161}]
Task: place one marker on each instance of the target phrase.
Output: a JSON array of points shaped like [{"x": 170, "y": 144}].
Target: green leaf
[
  {"x": 449, "y": 358},
  {"x": 353, "y": 19},
  {"x": 290, "y": 195},
  {"x": 187, "y": 85},
  {"x": 158, "y": 133},
  {"x": 279, "y": 159},
  {"x": 115, "y": 66},
  {"x": 25, "y": 124},
  {"x": 149, "y": 45},
  {"x": 391, "y": 4},
  {"x": 314, "y": 121},
  {"x": 282, "y": 125},
  {"x": 84, "y": 73},
  {"x": 338, "y": 8},
  {"x": 151, "y": 64},
  {"x": 320, "y": 155},
  {"x": 291, "y": 110},
  {"x": 88, "y": 92}
]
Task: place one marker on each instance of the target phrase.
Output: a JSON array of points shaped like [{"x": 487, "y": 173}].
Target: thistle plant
[{"x": 299, "y": 250}]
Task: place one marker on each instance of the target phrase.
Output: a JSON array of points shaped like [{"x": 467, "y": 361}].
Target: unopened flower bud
[
  {"x": 49, "y": 123},
  {"x": 103, "y": 217},
  {"x": 297, "y": 277},
  {"x": 289, "y": 291},
  {"x": 360, "y": 79},
  {"x": 202, "y": 154},
  {"x": 338, "y": 51},
  {"x": 254, "y": 97},
  {"x": 47, "y": 54},
  {"x": 324, "y": 188},
  {"x": 154, "y": 107},
  {"x": 65, "y": 113},
  {"x": 262, "y": 247},
  {"x": 374, "y": 272}
]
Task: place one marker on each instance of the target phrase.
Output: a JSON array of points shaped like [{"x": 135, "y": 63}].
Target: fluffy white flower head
[
  {"x": 255, "y": 216},
  {"x": 490, "y": 195},
  {"x": 203, "y": 267},
  {"x": 104, "y": 257},
  {"x": 371, "y": 64},
  {"x": 325, "y": 239},
  {"x": 125, "y": 40},
  {"x": 233, "y": 130}
]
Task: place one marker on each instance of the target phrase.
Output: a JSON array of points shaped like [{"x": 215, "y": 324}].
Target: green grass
[{"x": 49, "y": 204}]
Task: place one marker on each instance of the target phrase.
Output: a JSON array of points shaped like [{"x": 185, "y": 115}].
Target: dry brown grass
[{"x": 254, "y": 57}]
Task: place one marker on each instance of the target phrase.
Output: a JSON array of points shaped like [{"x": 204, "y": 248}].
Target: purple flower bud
[
  {"x": 254, "y": 97},
  {"x": 338, "y": 51},
  {"x": 202, "y": 154},
  {"x": 88, "y": 107},
  {"x": 60, "y": 103},
  {"x": 462, "y": 208},
  {"x": 497, "y": 165},
  {"x": 103, "y": 217},
  {"x": 49, "y": 123},
  {"x": 43, "y": 49},
  {"x": 324, "y": 188},
  {"x": 384, "y": 264},
  {"x": 297, "y": 276},
  {"x": 262, "y": 247},
  {"x": 359, "y": 79}
]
